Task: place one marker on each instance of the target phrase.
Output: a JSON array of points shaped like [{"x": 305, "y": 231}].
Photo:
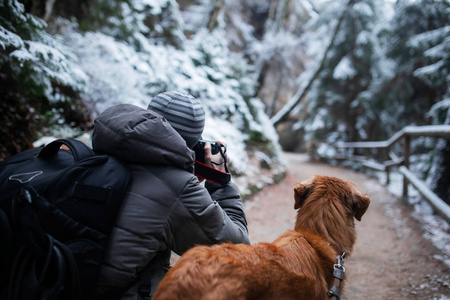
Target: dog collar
[{"x": 338, "y": 274}]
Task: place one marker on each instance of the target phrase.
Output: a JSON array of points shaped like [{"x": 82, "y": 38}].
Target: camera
[
  {"x": 199, "y": 149},
  {"x": 210, "y": 173}
]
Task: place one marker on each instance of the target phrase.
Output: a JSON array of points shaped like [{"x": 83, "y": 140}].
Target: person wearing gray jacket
[{"x": 166, "y": 207}]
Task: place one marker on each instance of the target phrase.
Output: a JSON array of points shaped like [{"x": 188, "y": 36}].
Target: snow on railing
[
  {"x": 438, "y": 131},
  {"x": 442, "y": 131}
]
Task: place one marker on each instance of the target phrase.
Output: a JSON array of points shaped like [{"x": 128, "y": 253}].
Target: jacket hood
[{"x": 138, "y": 135}]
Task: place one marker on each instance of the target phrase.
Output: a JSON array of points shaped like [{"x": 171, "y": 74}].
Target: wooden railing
[{"x": 346, "y": 151}]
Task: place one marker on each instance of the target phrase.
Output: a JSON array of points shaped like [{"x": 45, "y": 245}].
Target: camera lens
[{"x": 215, "y": 147}]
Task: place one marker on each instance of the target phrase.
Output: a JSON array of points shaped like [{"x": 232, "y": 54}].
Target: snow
[
  {"x": 426, "y": 73},
  {"x": 324, "y": 150},
  {"x": 308, "y": 7},
  {"x": 435, "y": 228},
  {"x": 8, "y": 38},
  {"x": 345, "y": 69},
  {"x": 429, "y": 37},
  {"x": 363, "y": 9},
  {"x": 156, "y": 5},
  {"x": 442, "y": 105},
  {"x": 46, "y": 59},
  {"x": 118, "y": 74},
  {"x": 436, "y": 129}
]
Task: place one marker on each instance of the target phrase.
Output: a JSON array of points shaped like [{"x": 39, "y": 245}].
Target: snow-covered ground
[{"x": 435, "y": 228}]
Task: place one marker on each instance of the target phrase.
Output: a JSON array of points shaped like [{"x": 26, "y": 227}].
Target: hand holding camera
[{"x": 212, "y": 153}]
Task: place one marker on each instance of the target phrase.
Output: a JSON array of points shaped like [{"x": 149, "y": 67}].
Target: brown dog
[{"x": 297, "y": 265}]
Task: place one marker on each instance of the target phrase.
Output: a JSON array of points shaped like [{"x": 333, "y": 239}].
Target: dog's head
[
  {"x": 335, "y": 190},
  {"x": 328, "y": 207}
]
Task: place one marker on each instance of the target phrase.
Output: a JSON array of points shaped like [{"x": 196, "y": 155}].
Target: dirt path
[{"x": 391, "y": 259}]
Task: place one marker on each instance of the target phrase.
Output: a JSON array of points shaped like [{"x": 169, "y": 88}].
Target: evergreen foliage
[
  {"x": 334, "y": 109},
  {"x": 39, "y": 80},
  {"x": 380, "y": 78}
]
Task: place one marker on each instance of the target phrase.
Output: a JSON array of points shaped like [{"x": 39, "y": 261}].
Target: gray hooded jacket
[{"x": 166, "y": 208}]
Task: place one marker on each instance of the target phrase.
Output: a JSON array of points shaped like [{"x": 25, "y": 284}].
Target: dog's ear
[
  {"x": 360, "y": 205},
  {"x": 301, "y": 192}
]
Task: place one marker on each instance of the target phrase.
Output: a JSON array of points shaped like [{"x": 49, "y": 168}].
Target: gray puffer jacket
[{"x": 166, "y": 208}]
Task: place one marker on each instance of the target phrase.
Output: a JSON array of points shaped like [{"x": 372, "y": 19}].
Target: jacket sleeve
[{"x": 206, "y": 216}]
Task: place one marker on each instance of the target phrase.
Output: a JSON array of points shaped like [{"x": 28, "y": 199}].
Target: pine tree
[
  {"x": 39, "y": 80},
  {"x": 334, "y": 109},
  {"x": 403, "y": 97}
]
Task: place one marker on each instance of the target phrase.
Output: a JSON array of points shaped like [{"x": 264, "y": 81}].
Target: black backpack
[{"x": 57, "y": 210}]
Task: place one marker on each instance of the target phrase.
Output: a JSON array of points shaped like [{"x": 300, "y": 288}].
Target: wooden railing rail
[
  {"x": 438, "y": 131},
  {"x": 442, "y": 131}
]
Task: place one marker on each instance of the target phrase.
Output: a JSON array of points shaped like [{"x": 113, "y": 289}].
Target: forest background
[{"x": 282, "y": 75}]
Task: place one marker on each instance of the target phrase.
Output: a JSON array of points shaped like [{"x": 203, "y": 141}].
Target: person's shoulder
[{"x": 170, "y": 177}]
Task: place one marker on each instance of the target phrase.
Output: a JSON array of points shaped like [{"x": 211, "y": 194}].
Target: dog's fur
[{"x": 297, "y": 265}]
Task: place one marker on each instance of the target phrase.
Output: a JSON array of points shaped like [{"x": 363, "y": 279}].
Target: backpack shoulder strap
[
  {"x": 79, "y": 149},
  {"x": 6, "y": 250}
]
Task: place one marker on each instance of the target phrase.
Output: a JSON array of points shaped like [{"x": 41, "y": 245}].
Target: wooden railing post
[
  {"x": 406, "y": 154},
  {"x": 388, "y": 168}
]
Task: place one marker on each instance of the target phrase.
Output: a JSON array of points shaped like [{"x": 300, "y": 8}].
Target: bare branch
[{"x": 48, "y": 9}]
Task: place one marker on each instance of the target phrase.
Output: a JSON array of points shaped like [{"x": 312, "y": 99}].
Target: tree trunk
[
  {"x": 272, "y": 108},
  {"x": 48, "y": 9},
  {"x": 278, "y": 17},
  {"x": 212, "y": 24}
]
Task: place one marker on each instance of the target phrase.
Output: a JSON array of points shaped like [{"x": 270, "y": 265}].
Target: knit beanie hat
[{"x": 184, "y": 113}]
